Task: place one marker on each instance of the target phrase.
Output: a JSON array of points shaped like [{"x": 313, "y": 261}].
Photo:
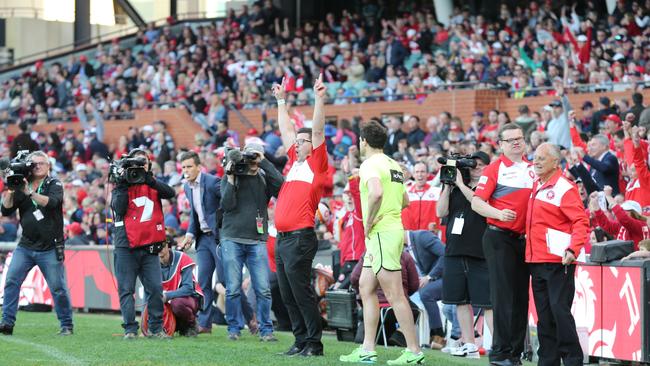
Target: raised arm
[
  {"x": 287, "y": 132},
  {"x": 318, "y": 126}
]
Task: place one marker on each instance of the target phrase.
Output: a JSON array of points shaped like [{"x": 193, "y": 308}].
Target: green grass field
[{"x": 97, "y": 341}]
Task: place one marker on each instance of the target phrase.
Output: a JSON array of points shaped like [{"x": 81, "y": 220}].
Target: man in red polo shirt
[
  {"x": 296, "y": 242},
  {"x": 501, "y": 196},
  {"x": 423, "y": 196},
  {"x": 557, "y": 228}
]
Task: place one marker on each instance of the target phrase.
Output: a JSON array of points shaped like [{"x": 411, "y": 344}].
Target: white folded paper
[{"x": 558, "y": 241}]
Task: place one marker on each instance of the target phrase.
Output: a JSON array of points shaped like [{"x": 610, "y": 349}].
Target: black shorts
[{"x": 465, "y": 281}]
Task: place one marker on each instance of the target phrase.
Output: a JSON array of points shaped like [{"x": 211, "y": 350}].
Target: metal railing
[{"x": 91, "y": 43}]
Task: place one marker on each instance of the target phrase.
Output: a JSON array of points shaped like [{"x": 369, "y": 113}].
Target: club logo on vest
[{"x": 550, "y": 195}]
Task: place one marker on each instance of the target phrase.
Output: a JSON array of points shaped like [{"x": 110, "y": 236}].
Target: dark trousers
[
  {"x": 430, "y": 295},
  {"x": 129, "y": 265},
  {"x": 294, "y": 255},
  {"x": 504, "y": 253},
  {"x": 277, "y": 305},
  {"x": 553, "y": 291},
  {"x": 184, "y": 309},
  {"x": 207, "y": 260}
]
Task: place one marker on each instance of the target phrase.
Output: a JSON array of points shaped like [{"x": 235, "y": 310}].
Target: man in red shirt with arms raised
[
  {"x": 501, "y": 196},
  {"x": 557, "y": 228},
  {"x": 296, "y": 242}
]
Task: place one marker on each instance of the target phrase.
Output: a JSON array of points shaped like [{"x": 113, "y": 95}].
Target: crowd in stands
[{"x": 366, "y": 55}]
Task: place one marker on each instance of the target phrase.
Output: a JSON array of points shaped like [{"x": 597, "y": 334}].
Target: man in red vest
[
  {"x": 180, "y": 288},
  {"x": 138, "y": 235}
]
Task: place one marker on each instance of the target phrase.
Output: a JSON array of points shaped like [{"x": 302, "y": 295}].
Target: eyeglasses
[
  {"x": 513, "y": 140},
  {"x": 301, "y": 141}
]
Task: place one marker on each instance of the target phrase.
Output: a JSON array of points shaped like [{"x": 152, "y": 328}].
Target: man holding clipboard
[{"x": 557, "y": 228}]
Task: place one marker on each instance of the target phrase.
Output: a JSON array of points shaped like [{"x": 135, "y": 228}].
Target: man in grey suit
[
  {"x": 203, "y": 192},
  {"x": 428, "y": 252}
]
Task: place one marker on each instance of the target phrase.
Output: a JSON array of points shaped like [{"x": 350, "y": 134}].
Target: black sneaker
[
  {"x": 6, "y": 329},
  {"x": 65, "y": 331}
]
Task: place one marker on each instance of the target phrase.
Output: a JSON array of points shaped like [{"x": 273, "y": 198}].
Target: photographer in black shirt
[
  {"x": 465, "y": 276},
  {"x": 39, "y": 202}
]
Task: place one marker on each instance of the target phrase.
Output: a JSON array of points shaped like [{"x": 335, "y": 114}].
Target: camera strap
[
  {"x": 38, "y": 190},
  {"x": 259, "y": 219}
]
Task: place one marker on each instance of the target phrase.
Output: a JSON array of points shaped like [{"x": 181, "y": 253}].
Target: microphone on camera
[
  {"x": 235, "y": 156},
  {"x": 4, "y": 163}
]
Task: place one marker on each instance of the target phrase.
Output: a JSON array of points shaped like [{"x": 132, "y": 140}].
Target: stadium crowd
[
  {"x": 210, "y": 69},
  {"x": 365, "y": 56}
]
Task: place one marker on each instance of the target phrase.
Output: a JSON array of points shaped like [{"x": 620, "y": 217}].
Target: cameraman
[
  {"x": 40, "y": 204},
  {"x": 138, "y": 237},
  {"x": 465, "y": 277},
  {"x": 244, "y": 200}
]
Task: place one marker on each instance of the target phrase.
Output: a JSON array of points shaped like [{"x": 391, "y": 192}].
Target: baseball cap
[
  {"x": 252, "y": 146},
  {"x": 614, "y": 118},
  {"x": 81, "y": 167},
  {"x": 631, "y": 206},
  {"x": 587, "y": 105},
  {"x": 555, "y": 103},
  {"x": 75, "y": 228},
  {"x": 482, "y": 156},
  {"x": 478, "y": 114}
]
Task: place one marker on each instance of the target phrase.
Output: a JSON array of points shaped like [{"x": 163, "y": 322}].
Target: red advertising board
[{"x": 608, "y": 306}]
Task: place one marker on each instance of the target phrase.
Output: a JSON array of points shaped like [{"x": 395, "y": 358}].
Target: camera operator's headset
[{"x": 139, "y": 151}]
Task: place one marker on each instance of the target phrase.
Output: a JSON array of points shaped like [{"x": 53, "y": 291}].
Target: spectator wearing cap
[
  {"x": 599, "y": 116},
  {"x": 587, "y": 114},
  {"x": 629, "y": 223},
  {"x": 82, "y": 68},
  {"x": 76, "y": 235},
  {"x": 557, "y": 129}
]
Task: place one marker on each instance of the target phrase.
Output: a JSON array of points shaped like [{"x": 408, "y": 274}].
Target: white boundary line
[{"x": 48, "y": 350}]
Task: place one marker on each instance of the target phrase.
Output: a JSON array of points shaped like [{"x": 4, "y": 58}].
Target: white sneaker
[
  {"x": 468, "y": 350},
  {"x": 452, "y": 344}
]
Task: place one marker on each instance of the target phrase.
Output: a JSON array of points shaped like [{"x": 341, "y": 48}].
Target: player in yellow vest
[{"x": 383, "y": 196}]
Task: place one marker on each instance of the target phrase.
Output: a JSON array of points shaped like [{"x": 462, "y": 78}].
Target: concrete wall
[{"x": 29, "y": 36}]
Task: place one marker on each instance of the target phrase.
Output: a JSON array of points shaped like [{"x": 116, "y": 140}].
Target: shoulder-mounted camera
[
  {"x": 241, "y": 161},
  {"x": 451, "y": 166},
  {"x": 17, "y": 170}
]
